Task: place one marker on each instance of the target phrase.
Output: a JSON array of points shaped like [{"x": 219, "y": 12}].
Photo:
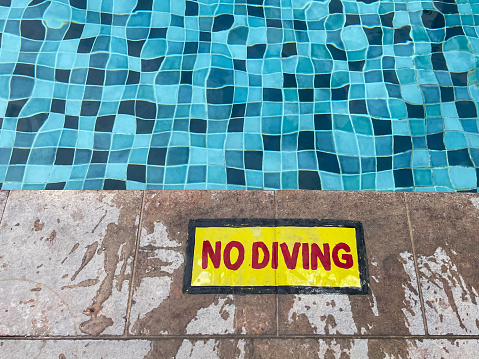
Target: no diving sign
[{"x": 275, "y": 256}]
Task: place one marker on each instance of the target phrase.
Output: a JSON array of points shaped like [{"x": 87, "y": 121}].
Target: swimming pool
[{"x": 239, "y": 94}]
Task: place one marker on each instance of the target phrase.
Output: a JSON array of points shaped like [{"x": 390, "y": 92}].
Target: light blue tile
[
  {"x": 330, "y": 181},
  {"x": 165, "y": 37},
  {"x": 463, "y": 177}
]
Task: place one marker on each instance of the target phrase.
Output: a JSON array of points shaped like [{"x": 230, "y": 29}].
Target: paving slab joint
[
  {"x": 240, "y": 337},
  {"x": 411, "y": 235},
  {"x": 4, "y": 208},
  {"x": 133, "y": 271},
  {"x": 276, "y": 295}
]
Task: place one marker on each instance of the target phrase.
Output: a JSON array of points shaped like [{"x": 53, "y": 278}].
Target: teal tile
[{"x": 172, "y": 76}]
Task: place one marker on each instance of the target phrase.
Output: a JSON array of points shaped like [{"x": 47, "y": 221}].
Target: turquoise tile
[
  {"x": 420, "y": 158},
  {"x": 330, "y": 181},
  {"x": 462, "y": 177},
  {"x": 216, "y": 175},
  {"x": 125, "y": 88},
  {"x": 60, "y": 174},
  {"x": 37, "y": 174},
  {"x": 346, "y": 143},
  {"x": 368, "y": 181},
  {"x": 351, "y": 183},
  {"x": 454, "y": 140},
  {"x": 254, "y": 178},
  {"x": 385, "y": 180},
  {"x": 289, "y": 180},
  {"x": 422, "y": 177}
]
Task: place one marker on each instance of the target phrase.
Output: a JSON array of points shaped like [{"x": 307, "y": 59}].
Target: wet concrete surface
[
  {"x": 297, "y": 348},
  {"x": 160, "y": 268},
  {"x": 393, "y": 304},
  {"x": 99, "y": 274},
  {"x": 446, "y": 235},
  {"x": 3, "y": 202},
  {"x": 65, "y": 262}
]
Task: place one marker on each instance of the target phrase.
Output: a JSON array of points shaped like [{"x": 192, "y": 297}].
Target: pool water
[{"x": 239, "y": 94}]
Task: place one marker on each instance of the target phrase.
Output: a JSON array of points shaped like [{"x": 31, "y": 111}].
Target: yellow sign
[{"x": 268, "y": 256}]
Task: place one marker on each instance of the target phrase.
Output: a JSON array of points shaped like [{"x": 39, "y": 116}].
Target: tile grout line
[
  {"x": 276, "y": 295},
  {"x": 416, "y": 267},
  {"x": 133, "y": 270},
  {"x": 4, "y": 208},
  {"x": 240, "y": 337}
]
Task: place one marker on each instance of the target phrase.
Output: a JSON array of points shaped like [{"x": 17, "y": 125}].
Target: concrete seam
[
  {"x": 423, "y": 310},
  {"x": 243, "y": 337},
  {"x": 277, "y": 315},
  {"x": 276, "y": 295},
  {"x": 133, "y": 271},
  {"x": 4, "y": 208}
]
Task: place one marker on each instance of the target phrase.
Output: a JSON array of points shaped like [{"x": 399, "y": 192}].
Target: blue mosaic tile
[{"x": 239, "y": 94}]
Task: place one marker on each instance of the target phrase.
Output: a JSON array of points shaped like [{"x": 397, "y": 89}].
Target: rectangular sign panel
[{"x": 275, "y": 256}]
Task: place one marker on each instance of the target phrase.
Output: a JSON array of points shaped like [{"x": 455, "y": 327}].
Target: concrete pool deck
[{"x": 99, "y": 274}]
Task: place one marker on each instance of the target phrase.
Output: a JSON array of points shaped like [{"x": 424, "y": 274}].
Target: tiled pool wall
[{"x": 239, "y": 94}]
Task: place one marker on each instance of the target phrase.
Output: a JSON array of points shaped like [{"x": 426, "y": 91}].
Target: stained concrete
[
  {"x": 297, "y": 348},
  {"x": 203, "y": 348},
  {"x": 445, "y": 230},
  {"x": 393, "y": 305},
  {"x": 160, "y": 307},
  {"x": 68, "y": 349},
  {"x": 110, "y": 265},
  {"x": 3, "y": 202},
  {"x": 365, "y": 348},
  {"x": 65, "y": 262}
]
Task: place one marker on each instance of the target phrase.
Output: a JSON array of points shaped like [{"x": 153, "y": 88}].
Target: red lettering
[
  {"x": 227, "y": 255},
  {"x": 215, "y": 255},
  {"x": 290, "y": 259},
  {"x": 305, "y": 255},
  {"x": 255, "y": 264},
  {"x": 347, "y": 258},
  {"x": 274, "y": 260},
  {"x": 323, "y": 256}
]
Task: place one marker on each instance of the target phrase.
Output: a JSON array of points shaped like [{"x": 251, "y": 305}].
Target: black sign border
[{"x": 257, "y": 222}]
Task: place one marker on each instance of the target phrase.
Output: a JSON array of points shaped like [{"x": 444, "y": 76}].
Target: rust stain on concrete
[
  {"x": 96, "y": 325},
  {"x": 84, "y": 283},
  {"x": 101, "y": 219},
  {"x": 38, "y": 225},
  {"x": 160, "y": 261},
  {"x": 52, "y": 236},
  {"x": 87, "y": 257},
  {"x": 117, "y": 245},
  {"x": 74, "y": 248}
]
